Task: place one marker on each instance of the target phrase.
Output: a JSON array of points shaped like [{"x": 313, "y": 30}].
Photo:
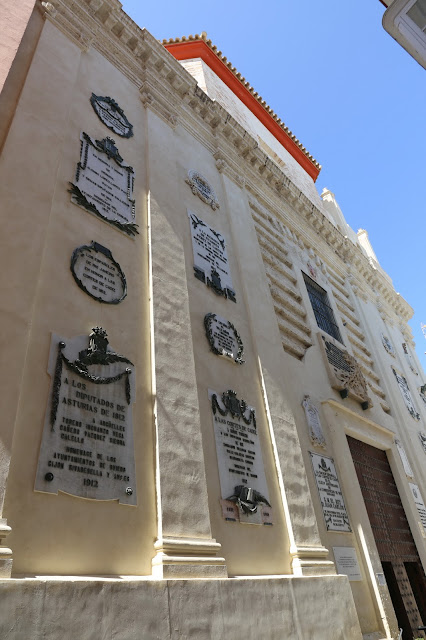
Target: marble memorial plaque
[
  {"x": 87, "y": 444},
  {"x": 404, "y": 459},
  {"x": 104, "y": 184},
  {"x": 347, "y": 563},
  {"x": 111, "y": 115},
  {"x": 314, "y": 423},
  {"x": 239, "y": 455},
  {"x": 406, "y": 395},
  {"x": 210, "y": 258},
  {"x": 223, "y": 337},
  {"x": 98, "y": 274},
  {"x": 331, "y": 496},
  {"x": 418, "y": 499}
]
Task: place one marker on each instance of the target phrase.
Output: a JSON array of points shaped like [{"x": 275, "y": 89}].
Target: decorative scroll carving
[
  {"x": 237, "y": 408},
  {"x": 201, "y": 188},
  {"x": 344, "y": 372}
]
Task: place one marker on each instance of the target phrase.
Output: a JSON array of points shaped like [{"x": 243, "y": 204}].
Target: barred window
[{"x": 321, "y": 306}]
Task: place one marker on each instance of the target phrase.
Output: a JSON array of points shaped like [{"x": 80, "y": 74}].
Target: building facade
[
  {"x": 405, "y": 21},
  {"x": 213, "y": 417}
]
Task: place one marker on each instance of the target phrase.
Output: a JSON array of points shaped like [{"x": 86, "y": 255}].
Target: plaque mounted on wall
[
  {"x": 314, "y": 423},
  {"x": 239, "y": 455},
  {"x": 98, "y": 274},
  {"x": 223, "y": 338},
  {"x": 104, "y": 184},
  {"x": 87, "y": 445},
  {"x": 331, "y": 496},
  {"x": 111, "y": 115},
  {"x": 406, "y": 395},
  {"x": 210, "y": 258},
  {"x": 421, "y": 508},
  {"x": 201, "y": 188}
]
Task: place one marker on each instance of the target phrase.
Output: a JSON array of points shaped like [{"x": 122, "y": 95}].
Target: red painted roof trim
[{"x": 199, "y": 49}]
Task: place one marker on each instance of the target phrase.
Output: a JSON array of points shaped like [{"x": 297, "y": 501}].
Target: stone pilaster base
[
  {"x": 188, "y": 558},
  {"x": 5, "y": 552},
  {"x": 311, "y": 561}
]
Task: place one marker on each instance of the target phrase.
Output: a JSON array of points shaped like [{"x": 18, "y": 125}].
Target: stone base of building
[{"x": 130, "y": 608}]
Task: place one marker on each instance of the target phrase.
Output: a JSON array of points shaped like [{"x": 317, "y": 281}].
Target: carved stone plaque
[
  {"x": 409, "y": 358},
  {"x": 344, "y": 372},
  {"x": 201, "y": 188},
  {"x": 387, "y": 344},
  {"x": 210, "y": 259},
  {"x": 223, "y": 337},
  {"x": 87, "y": 445},
  {"x": 422, "y": 438},
  {"x": 404, "y": 459},
  {"x": 418, "y": 499},
  {"x": 98, "y": 274},
  {"x": 330, "y": 493},
  {"x": 406, "y": 395},
  {"x": 314, "y": 423},
  {"x": 104, "y": 184},
  {"x": 347, "y": 563},
  {"x": 241, "y": 470},
  {"x": 111, "y": 115}
]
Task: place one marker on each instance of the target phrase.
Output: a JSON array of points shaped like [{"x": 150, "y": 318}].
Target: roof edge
[{"x": 200, "y": 47}]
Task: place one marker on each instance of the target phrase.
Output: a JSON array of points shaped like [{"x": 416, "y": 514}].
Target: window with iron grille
[{"x": 321, "y": 306}]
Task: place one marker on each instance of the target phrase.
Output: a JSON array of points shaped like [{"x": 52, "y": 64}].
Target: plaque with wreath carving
[{"x": 344, "y": 372}]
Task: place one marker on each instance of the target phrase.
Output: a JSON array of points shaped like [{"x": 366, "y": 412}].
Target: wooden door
[{"x": 397, "y": 550}]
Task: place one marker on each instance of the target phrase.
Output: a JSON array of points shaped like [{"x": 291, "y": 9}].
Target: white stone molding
[
  {"x": 5, "y": 552},
  {"x": 179, "y": 558}
]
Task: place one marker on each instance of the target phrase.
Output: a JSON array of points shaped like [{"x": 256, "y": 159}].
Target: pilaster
[
  {"x": 5, "y": 552},
  {"x": 309, "y": 556},
  {"x": 184, "y": 547}
]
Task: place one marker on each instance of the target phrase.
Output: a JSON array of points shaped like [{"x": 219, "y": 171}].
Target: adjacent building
[
  {"x": 405, "y": 21},
  {"x": 213, "y": 416}
]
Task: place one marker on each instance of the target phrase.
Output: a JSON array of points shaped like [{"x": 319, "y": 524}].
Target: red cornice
[{"x": 199, "y": 49}]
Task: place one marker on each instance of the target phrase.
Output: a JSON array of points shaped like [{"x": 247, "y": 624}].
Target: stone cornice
[
  {"x": 168, "y": 89},
  {"x": 200, "y": 47}
]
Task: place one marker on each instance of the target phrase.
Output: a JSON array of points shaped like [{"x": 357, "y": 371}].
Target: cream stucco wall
[{"x": 252, "y": 581}]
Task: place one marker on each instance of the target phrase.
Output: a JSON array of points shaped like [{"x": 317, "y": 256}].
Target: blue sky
[{"x": 352, "y": 96}]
